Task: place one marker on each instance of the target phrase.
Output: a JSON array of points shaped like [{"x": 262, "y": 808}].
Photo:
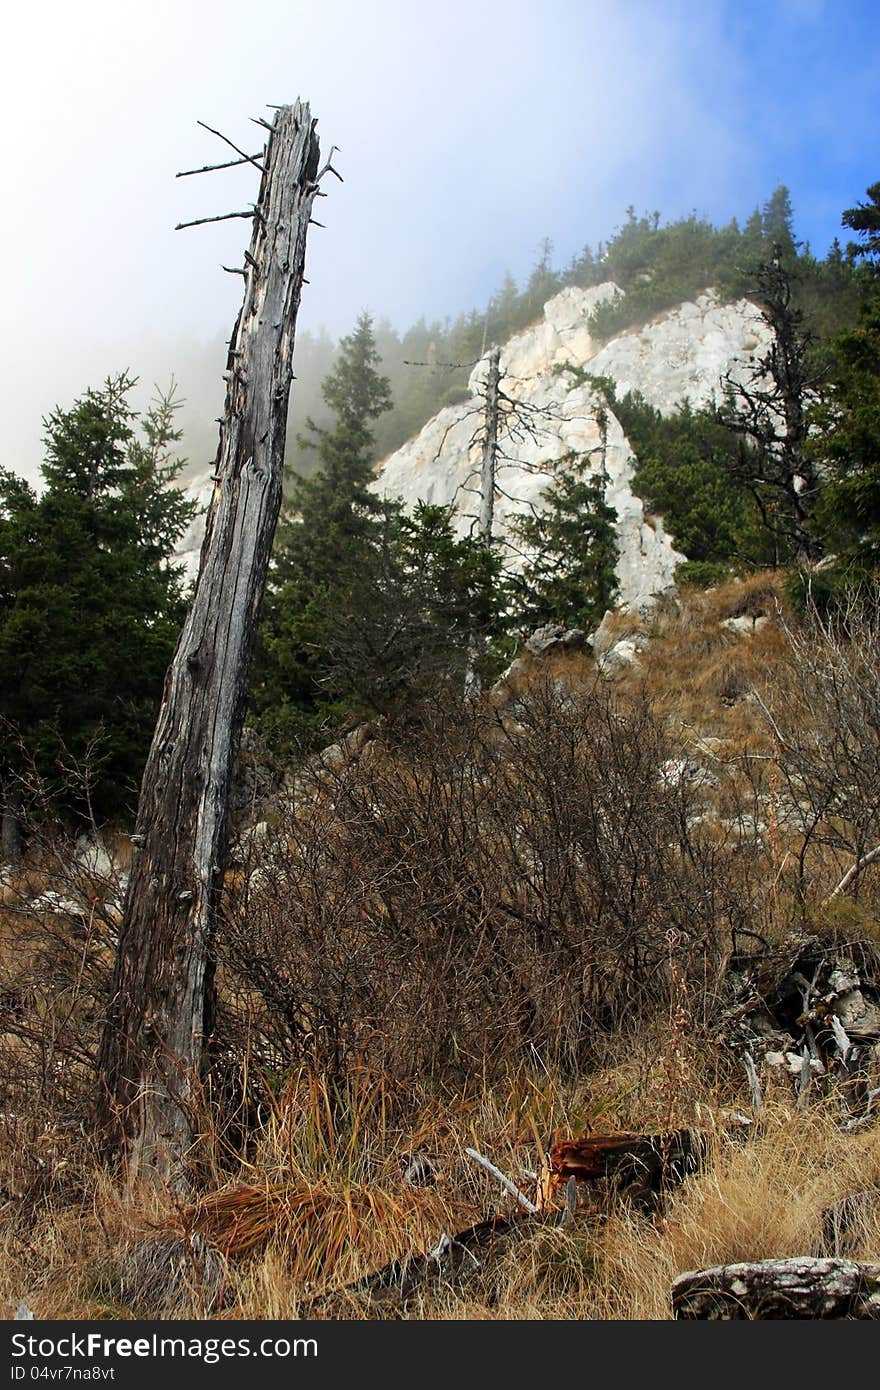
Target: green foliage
[
  {"x": 417, "y": 614},
  {"x": 846, "y": 420},
  {"x": 90, "y": 605},
  {"x": 864, "y": 218},
  {"x": 659, "y": 266},
  {"x": 570, "y": 551},
  {"x": 777, "y": 223},
  {"x": 364, "y": 604},
  {"x": 682, "y": 473}
]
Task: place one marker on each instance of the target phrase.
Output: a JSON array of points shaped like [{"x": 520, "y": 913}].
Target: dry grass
[
  {"x": 312, "y": 1195},
  {"x": 317, "y": 1211},
  {"x": 760, "y": 1200}
]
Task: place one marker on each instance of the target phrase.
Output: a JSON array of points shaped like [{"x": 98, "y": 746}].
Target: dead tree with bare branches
[{"x": 153, "y": 1037}]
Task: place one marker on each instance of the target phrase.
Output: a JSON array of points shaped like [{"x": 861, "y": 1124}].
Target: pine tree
[
  {"x": 320, "y": 549},
  {"x": 864, "y": 218},
  {"x": 847, "y": 420},
  {"x": 777, "y": 224},
  {"x": 408, "y": 623},
  {"x": 570, "y": 551},
  {"x": 90, "y": 601}
]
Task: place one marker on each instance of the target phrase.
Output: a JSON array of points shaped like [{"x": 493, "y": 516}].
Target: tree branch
[{"x": 225, "y": 138}]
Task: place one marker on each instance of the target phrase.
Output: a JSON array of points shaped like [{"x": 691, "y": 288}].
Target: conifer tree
[
  {"x": 320, "y": 548},
  {"x": 90, "y": 600},
  {"x": 365, "y": 604},
  {"x": 570, "y": 551},
  {"x": 847, "y": 420}
]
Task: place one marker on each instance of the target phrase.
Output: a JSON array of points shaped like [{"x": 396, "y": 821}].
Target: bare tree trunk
[
  {"x": 490, "y": 448},
  {"x": 10, "y": 825},
  {"x": 152, "y": 1044},
  {"x": 476, "y": 643}
]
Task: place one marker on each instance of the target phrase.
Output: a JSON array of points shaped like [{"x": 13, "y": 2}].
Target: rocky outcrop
[
  {"x": 682, "y": 355},
  {"x": 679, "y": 356}
]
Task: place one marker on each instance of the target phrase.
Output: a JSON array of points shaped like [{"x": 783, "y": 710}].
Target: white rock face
[
  {"x": 197, "y": 490},
  {"x": 682, "y": 355},
  {"x": 679, "y": 356}
]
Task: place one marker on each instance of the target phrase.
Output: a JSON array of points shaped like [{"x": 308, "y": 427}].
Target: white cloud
[{"x": 468, "y": 132}]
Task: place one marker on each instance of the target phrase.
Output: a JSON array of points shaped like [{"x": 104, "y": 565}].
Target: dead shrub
[
  {"x": 491, "y": 888},
  {"x": 822, "y": 709}
]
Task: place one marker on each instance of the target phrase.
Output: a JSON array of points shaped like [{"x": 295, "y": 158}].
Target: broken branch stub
[{"x": 152, "y": 1043}]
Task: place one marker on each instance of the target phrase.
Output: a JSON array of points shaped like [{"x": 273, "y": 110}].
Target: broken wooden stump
[
  {"x": 644, "y": 1163},
  {"x": 795, "y": 1288}
]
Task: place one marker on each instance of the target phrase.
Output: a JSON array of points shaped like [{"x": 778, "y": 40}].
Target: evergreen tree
[
  {"x": 570, "y": 551},
  {"x": 408, "y": 623},
  {"x": 864, "y": 218},
  {"x": 543, "y": 282},
  {"x": 321, "y": 549},
  {"x": 846, "y": 421},
  {"x": 90, "y": 602},
  {"x": 777, "y": 224},
  {"x": 365, "y": 604}
]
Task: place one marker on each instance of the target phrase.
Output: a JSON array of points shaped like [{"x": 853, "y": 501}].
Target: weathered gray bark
[
  {"x": 795, "y": 1288},
  {"x": 490, "y": 448},
  {"x": 10, "y": 824},
  {"x": 488, "y": 466},
  {"x": 153, "y": 1038}
]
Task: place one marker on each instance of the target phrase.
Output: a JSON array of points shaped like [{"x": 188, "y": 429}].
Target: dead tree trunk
[
  {"x": 490, "y": 448},
  {"x": 152, "y": 1044},
  {"x": 488, "y": 467}
]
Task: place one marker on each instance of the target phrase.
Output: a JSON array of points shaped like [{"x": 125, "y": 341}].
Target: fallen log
[
  {"x": 452, "y": 1262},
  {"x": 795, "y": 1288}
]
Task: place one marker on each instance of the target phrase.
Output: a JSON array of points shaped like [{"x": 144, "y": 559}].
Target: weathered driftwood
[
  {"x": 795, "y": 1288},
  {"x": 505, "y": 1181},
  {"x": 646, "y": 1163},
  {"x": 152, "y": 1042}
]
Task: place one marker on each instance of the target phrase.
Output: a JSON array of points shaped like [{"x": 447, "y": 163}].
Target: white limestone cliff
[{"x": 681, "y": 355}]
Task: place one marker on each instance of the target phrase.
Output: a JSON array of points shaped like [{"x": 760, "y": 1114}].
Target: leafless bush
[
  {"x": 822, "y": 707},
  {"x": 59, "y": 907},
  {"x": 492, "y": 887}
]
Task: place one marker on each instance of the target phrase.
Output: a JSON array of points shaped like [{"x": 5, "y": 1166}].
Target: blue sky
[{"x": 468, "y": 132}]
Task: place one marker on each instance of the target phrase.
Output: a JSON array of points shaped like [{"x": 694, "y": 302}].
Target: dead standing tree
[
  {"x": 490, "y": 447},
  {"x": 153, "y": 1038}
]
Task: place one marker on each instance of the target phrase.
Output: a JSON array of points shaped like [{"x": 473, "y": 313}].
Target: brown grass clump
[{"x": 761, "y": 1200}]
